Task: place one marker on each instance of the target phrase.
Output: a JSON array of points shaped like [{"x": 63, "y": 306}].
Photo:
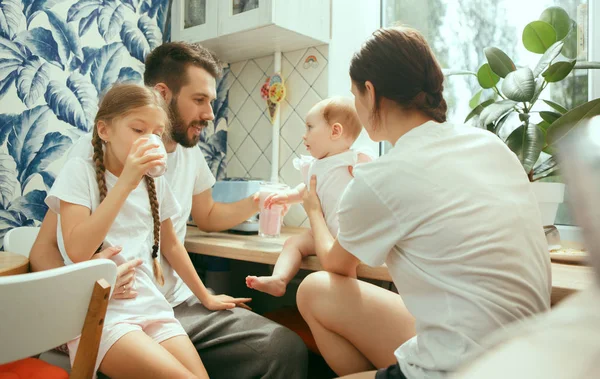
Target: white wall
[{"x": 352, "y": 21}]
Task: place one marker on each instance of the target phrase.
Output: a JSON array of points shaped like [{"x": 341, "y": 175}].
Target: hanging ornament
[{"x": 273, "y": 91}]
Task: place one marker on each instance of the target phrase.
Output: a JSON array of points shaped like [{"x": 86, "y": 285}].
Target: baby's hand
[{"x": 276, "y": 199}]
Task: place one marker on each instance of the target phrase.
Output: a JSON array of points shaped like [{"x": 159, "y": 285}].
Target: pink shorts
[{"x": 158, "y": 330}]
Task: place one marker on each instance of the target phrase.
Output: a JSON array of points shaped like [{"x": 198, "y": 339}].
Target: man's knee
[{"x": 288, "y": 351}]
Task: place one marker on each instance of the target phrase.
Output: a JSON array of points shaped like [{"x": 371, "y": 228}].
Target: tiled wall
[{"x": 250, "y": 133}]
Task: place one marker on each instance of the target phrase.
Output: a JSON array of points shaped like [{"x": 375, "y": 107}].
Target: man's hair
[{"x": 168, "y": 64}]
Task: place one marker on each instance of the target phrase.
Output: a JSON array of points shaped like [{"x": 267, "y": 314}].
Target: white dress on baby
[
  {"x": 332, "y": 179},
  {"x": 133, "y": 231}
]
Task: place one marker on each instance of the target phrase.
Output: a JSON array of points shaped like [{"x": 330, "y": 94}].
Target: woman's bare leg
[
  {"x": 182, "y": 348},
  {"x": 357, "y": 325},
  {"x": 287, "y": 266},
  {"x": 136, "y": 355}
]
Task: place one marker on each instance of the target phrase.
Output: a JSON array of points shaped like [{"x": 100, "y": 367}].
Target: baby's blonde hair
[{"x": 341, "y": 110}]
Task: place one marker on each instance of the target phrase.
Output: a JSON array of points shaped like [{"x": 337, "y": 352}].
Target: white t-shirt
[
  {"x": 562, "y": 344},
  {"x": 132, "y": 229},
  {"x": 188, "y": 175},
  {"x": 332, "y": 179},
  {"x": 451, "y": 212}
]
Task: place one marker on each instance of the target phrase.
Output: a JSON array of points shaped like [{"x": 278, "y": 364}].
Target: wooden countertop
[
  {"x": 12, "y": 263},
  {"x": 566, "y": 279}
]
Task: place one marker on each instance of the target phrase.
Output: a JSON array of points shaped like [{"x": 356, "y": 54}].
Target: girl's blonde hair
[{"x": 120, "y": 100}]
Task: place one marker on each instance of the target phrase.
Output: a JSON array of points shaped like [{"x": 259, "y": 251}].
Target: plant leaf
[
  {"x": 131, "y": 4},
  {"x": 486, "y": 77},
  {"x": 11, "y": 18},
  {"x": 558, "y": 71},
  {"x": 42, "y": 43},
  {"x": 478, "y": 109},
  {"x": 519, "y": 85},
  {"x": 549, "y": 117},
  {"x": 494, "y": 111},
  {"x": 151, "y": 31},
  {"x": 526, "y": 142},
  {"x": 26, "y": 137},
  {"x": 570, "y": 48},
  {"x": 105, "y": 68},
  {"x": 33, "y": 7},
  {"x": 559, "y": 19},
  {"x": 54, "y": 146},
  {"x": 86, "y": 22},
  {"x": 7, "y": 123},
  {"x": 32, "y": 81},
  {"x": 8, "y": 178},
  {"x": 547, "y": 168},
  {"x": 31, "y": 205},
  {"x": 499, "y": 62},
  {"x": 128, "y": 74},
  {"x": 10, "y": 220},
  {"x": 538, "y": 36},
  {"x": 571, "y": 120},
  {"x": 556, "y": 107},
  {"x": 475, "y": 99},
  {"x": 74, "y": 103},
  {"x": 111, "y": 20},
  {"x": 65, "y": 37},
  {"x": 547, "y": 58}
]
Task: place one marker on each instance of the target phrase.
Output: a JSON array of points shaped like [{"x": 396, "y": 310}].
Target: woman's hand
[
  {"x": 139, "y": 161},
  {"x": 221, "y": 302},
  {"x": 311, "y": 202},
  {"x": 125, "y": 274}
]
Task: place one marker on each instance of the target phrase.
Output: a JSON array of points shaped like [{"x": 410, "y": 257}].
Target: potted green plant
[{"x": 516, "y": 101}]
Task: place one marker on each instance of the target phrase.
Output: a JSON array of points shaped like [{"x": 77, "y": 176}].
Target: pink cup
[
  {"x": 159, "y": 170},
  {"x": 269, "y": 220}
]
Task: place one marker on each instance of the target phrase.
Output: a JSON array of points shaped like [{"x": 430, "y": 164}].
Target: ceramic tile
[
  {"x": 264, "y": 63},
  {"x": 237, "y": 67},
  {"x": 229, "y": 153},
  {"x": 285, "y": 151},
  {"x": 324, "y": 50},
  {"x": 285, "y": 110},
  {"x": 229, "y": 80},
  {"x": 262, "y": 132},
  {"x": 305, "y": 223},
  {"x": 301, "y": 150},
  {"x": 249, "y": 114},
  {"x": 256, "y": 96},
  {"x": 235, "y": 168},
  {"x": 294, "y": 56},
  {"x": 268, "y": 152},
  {"x": 248, "y": 153},
  {"x": 237, "y": 96},
  {"x": 291, "y": 176},
  {"x": 286, "y": 68},
  {"x": 307, "y": 102},
  {"x": 321, "y": 85},
  {"x": 296, "y": 88},
  {"x": 250, "y": 75},
  {"x": 236, "y": 134},
  {"x": 311, "y": 65},
  {"x": 295, "y": 215},
  {"x": 261, "y": 169},
  {"x": 293, "y": 130}
]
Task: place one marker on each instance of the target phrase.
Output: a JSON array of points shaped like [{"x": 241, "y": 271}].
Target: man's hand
[
  {"x": 221, "y": 302},
  {"x": 125, "y": 274}
]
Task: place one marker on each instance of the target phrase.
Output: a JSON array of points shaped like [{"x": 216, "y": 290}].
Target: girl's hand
[
  {"x": 311, "y": 202},
  {"x": 221, "y": 302},
  {"x": 139, "y": 162},
  {"x": 276, "y": 199}
]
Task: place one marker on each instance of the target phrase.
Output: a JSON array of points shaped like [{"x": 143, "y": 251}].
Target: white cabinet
[{"x": 242, "y": 29}]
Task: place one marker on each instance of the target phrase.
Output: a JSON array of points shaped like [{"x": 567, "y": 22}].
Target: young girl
[
  {"x": 332, "y": 126},
  {"x": 110, "y": 201}
]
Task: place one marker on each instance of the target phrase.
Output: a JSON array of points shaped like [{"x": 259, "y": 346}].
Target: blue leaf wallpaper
[{"x": 56, "y": 58}]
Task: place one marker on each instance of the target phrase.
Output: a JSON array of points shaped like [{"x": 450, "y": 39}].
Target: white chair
[
  {"x": 20, "y": 240},
  {"x": 41, "y": 310}
]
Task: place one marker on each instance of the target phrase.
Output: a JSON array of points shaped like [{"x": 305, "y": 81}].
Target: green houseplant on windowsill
[{"x": 516, "y": 101}]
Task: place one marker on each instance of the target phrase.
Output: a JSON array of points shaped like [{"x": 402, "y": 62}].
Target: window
[{"x": 458, "y": 31}]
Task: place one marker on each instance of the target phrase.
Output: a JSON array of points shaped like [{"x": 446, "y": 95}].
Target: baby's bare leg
[{"x": 288, "y": 264}]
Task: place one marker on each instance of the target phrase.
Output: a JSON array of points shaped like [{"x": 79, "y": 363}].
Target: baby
[{"x": 332, "y": 126}]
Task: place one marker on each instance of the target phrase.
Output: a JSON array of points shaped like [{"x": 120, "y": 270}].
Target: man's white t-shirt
[
  {"x": 187, "y": 175},
  {"x": 332, "y": 179},
  {"x": 132, "y": 230},
  {"x": 451, "y": 212}
]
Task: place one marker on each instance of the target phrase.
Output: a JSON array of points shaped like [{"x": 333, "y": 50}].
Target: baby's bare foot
[{"x": 267, "y": 284}]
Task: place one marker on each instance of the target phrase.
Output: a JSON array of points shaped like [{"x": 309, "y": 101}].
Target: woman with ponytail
[{"x": 109, "y": 200}]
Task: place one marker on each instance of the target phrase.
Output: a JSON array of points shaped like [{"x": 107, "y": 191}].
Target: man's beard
[{"x": 179, "y": 131}]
